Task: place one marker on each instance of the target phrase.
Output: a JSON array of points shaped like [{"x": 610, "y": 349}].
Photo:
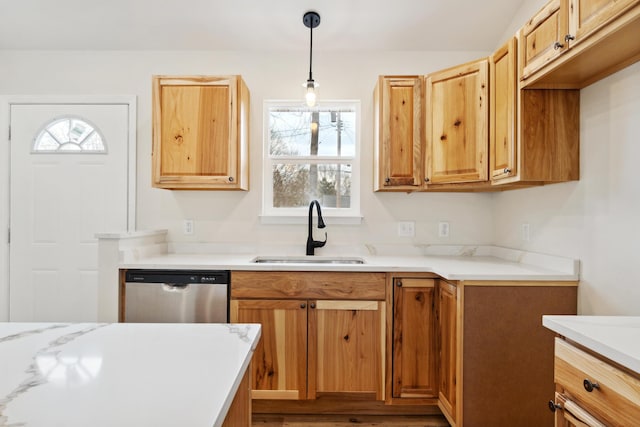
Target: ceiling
[{"x": 346, "y": 25}]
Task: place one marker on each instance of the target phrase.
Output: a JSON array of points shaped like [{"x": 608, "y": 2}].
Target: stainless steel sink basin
[{"x": 307, "y": 260}]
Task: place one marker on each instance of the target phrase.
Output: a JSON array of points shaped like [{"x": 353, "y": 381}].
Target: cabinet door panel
[
  {"x": 279, "y": 366},
  {"x": 399, "y": 158},
  {"x": 587, "y": 16},
  {"x": 447, "y": 337},
  {"x": 538, "y": 37},
  {"x": 457, "y": 131},
  {"x": 346, "y": 348},
  {"x": 414, "y": 341},
  {"x": 502, "y": 122}
]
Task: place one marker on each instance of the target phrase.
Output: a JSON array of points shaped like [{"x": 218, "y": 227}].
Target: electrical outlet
[
  {"x": 443, "y": 229},
  {"x": 406, "y": 229},
  {"x": 187, "y": 226},
  {"x": 526, "y": 232}
]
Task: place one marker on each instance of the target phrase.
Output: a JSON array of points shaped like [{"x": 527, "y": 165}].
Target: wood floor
[{"x": 270, "y": 420}]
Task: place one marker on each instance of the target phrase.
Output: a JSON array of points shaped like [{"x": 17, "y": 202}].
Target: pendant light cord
[{"x": 311, "y": 51}]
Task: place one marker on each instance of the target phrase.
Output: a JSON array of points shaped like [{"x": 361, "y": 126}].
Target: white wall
[
  {"x": 233, "y": 216},
  {"x": 596, "y": 219}
]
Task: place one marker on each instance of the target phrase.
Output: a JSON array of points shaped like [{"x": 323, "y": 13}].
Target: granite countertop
[
  {"x": 453, "y": 263},
  {"x": 615, "y": 337},
  {"x": 101, "y": 374}
]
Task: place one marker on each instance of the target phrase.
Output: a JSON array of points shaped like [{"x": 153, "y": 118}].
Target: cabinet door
[
  {"x": 346, "y": 348},
  {"x": 448, "y": 345},
  {"x": 414, "y": 338},
  {"x": 502, "y": 113},
  {"x": 587, "y": 16},
  {"x": 279, "y": 366},
  {"x": 542, "y": 38},
  {"x": 200, "y": 136},
  {"x": 398, "y": 104},
  {"x": 457, "y": 124}
]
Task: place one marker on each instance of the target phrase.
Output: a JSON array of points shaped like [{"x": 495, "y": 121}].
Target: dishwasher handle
[{"x": 175, "y": 287}]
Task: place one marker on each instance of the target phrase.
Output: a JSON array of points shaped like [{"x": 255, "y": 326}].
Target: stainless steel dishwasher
[{"x": 176, "y": 296}]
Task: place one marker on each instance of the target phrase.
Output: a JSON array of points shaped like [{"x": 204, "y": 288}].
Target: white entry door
[{"x": 68, "y": 181}]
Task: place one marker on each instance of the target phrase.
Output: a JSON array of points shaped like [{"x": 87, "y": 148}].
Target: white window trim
[{"x": 271, "y": 215}]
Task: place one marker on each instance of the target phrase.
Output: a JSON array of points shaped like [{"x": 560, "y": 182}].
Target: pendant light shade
[{"x": 311, "y": 20}]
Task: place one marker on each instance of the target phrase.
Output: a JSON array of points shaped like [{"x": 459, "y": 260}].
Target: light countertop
[
  {"x": 615, "y": 337},
  {"x": 460, "y": 263},
  {"x": 100, "y": 374}
]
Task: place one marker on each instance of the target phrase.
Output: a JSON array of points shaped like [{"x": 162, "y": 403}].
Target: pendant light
[{"x": 311, "y": 20}]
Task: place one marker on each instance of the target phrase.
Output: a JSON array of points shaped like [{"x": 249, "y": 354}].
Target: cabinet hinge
[
  {"x": 8, "y": 235},
  {"x": 9, "y": 132}
]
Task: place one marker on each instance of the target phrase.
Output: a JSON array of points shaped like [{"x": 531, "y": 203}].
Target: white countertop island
[
  {"x": 126, "y": 375},
  {"x": 615, "y": 337}
]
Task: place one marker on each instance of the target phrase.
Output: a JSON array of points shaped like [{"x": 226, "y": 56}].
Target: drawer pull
[
  {"x": 590, "y": 386},
  {"x": 553, "y": 406}
]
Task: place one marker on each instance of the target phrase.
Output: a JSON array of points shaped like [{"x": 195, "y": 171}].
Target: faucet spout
[{"x": 313, "y": 244}]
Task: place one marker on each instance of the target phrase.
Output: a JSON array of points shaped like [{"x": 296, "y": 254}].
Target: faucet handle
[{"x": 318, "y": 243}]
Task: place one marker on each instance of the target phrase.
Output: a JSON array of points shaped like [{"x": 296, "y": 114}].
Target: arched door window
[{"x": 69, "y": 135}]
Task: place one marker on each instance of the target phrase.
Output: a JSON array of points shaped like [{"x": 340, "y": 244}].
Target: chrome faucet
[{"x": 313, "y": 244}]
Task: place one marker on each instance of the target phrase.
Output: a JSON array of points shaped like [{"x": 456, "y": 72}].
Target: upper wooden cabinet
[
  {"x": 502, "y": 113},
  {"x": 200, "y": 133},
  {"x": 542, "y": 37},
  {"x": 398, "y": 133},
  {"x": 573, "y": 43},
  {"x": 457, "y": 131}
]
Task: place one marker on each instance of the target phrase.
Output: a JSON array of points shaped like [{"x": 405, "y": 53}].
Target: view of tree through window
[{"x": 311, "y": 154}]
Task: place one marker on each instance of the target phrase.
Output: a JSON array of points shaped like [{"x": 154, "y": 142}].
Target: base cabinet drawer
[{"x": 609, "y": 394}]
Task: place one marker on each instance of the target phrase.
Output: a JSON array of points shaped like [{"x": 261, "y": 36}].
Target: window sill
[{"x": 298, "y": 219}]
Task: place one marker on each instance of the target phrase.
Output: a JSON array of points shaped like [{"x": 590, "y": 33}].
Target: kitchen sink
[{"x": 306, "y": 260}]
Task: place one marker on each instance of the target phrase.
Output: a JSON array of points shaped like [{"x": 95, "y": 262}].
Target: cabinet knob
[
  {"x": 303, "y": 305},
  {"x": 426, "y": 180},
  {"x": 589, "y": 386},
  {"x": 507, "y": 170},
  {"x": 230, "y": 179},
  {"x": 568, "y": 38},
  {"x": 399, "y": 283},
  {"x": 553, "y": 406},
  {"x": 312, "y": 305},
  {"x": 558, "y": 45},
  {"x": 387, "y": 180}
]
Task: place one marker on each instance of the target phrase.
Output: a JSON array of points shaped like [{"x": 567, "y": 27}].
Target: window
[
  {"x": 311, "y": 153},
  {"x": 69, "y": 135}
]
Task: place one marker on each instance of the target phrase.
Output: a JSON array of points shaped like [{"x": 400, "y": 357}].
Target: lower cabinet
[
  {"x": 279, "y": 367},
  {"x": 447, "y": 323},
  {"x": 413, "y": 353},
  {"x": 592, "y": 391},
  {"x": 318, "y": 337}
]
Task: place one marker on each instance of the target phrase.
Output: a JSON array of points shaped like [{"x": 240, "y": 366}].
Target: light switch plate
[
  {"x": 443, "y": 229},
  {"x": 406, "y": 228},
  {"x": 187, "y": 226}
]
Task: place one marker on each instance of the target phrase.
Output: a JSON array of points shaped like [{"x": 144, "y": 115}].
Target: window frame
[{"x": 273, "y": 215}]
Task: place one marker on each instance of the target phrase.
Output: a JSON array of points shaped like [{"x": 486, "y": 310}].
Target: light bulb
[{"x": 310, "y": 96}]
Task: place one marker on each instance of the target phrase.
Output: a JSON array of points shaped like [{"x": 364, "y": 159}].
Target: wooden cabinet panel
[
  {"x": 279, "y": 364},
  {"x": 346, "y": 348},
  {"x": 308, "y": 284},
  {"x": 594, "y": 38},
  {"x": 200, "y": 132},
  {"x": 616, "y": 398},
  {"x": 457, "y": 124},
  {"x": 502, "y": 113},
  {"x": 414, "y": 341},
  {"x": 447, "y": 324},
  {"x": 541, "y": 39},
  {"x": 587, "y": 16},
  {"x": 398, "y": 132}
]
